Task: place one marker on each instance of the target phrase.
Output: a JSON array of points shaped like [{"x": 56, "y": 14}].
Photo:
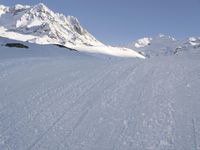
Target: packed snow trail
[{"x": 82, "y": 102}]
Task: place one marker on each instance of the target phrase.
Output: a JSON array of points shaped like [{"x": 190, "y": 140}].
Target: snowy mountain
[
  {"x": 193, "y": 42},
  {"x": 163, "y": 45},
  {"x": 38, "y": 24},
  {"x": 143, "y": 42}
]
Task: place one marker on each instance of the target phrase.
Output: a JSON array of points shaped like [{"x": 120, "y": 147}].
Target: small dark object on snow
[
  {"x": 62, "y": 46},
  {"x": 17, "y": 45}
]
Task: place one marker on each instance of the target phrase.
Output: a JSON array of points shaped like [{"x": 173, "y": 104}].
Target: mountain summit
[{"x": 44, "y": 26}]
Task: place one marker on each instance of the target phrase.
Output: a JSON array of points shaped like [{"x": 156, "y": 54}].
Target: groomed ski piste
[
  {"x": 76, "y": 93},
  {"x": 56, "y": 99}
]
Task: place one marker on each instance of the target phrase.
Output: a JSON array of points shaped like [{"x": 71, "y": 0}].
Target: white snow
[
  {"x": 52, "y": 98},
  {"x": 194, "y": 41},
  {"x": 108, "y": 50},
  {"x": 163, "y": 45},
  {"x": 41, "y": 22},
  {"x": 143, "y": 42},
  {"x": 90, "y": 96}
]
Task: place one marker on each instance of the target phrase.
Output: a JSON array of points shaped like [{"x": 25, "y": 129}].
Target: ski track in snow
[{"x": 57, "y": 103}]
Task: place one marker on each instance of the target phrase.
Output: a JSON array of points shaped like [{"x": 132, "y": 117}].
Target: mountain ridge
[
  {"x": 162, "y": 45},
  {"x": 47, "y": 26},
  {"x": 38, "y": 24}
]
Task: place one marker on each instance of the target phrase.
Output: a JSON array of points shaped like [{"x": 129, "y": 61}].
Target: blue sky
[{"x": 122, "y": 21}]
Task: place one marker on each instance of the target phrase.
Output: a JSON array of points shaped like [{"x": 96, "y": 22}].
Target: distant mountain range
[{"x": 163, "y": 45}]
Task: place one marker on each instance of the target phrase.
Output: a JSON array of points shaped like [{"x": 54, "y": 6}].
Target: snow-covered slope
[
  {"x": 50, "y": 100},
  {"x": 17, "y": 49},
  {"x": 163, "y": 45},
  {"x": 159, "y": 45},
  {"x": 38, "y": 24},
  {"x": 192, "y": 42},
  {"x": 142, "y": 42},
  {"x": 7, "y": 48}
]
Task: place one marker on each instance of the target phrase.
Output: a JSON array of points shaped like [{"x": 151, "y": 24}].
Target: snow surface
[{"x": 52, "y": 98}]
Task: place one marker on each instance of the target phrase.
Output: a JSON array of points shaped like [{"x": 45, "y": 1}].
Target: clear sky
[{"x": 122, "y": 21}]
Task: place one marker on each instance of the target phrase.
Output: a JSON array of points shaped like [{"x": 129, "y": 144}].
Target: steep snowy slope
[
  {"x": 44, "y": 26},
  {"x": 17, "y": 49},
  {"x": 10, "y": 47},
  {"x": 38, "y": 24},
  {"x": 163, "y": 45},
  {"x": 71, "y": 102}
]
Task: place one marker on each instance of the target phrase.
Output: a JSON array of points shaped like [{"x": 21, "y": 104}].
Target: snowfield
[{"x": 52, "y": 98}]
